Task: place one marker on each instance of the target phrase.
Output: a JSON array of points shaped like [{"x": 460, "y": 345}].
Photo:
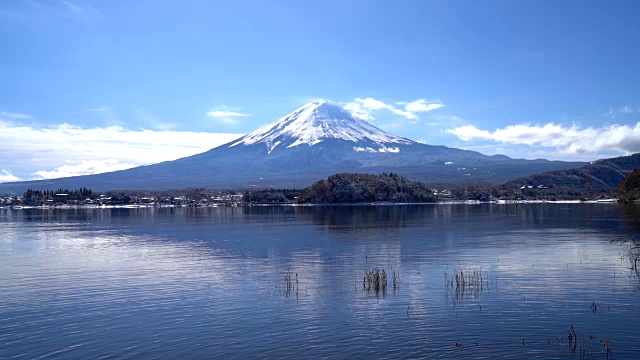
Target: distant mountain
[
  {"x": 600, "y": 176},
  {"x": 311, "y": 143}
]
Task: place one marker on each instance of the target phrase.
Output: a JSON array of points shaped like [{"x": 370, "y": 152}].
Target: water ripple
[{"x": 209, "y": 283}]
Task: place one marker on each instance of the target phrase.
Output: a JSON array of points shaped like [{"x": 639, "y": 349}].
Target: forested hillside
[
  {"x": 365, "y": 188},
  {"x": 601, "y": 176}
]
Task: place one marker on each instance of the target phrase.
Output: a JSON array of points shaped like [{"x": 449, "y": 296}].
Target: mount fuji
[{"x": 316, "y": 140}]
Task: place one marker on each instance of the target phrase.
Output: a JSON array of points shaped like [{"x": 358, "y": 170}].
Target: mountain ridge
[{"x": 600, "y": 176}]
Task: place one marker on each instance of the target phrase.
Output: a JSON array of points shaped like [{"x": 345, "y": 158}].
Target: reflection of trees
[
  {"x": 123, "y": 215},
  {"x": 50, "y": 215},
  {"x": 369, "y": 216}
]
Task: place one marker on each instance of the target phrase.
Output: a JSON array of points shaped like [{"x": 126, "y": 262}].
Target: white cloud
[
  {"x": 361, "y": 149},
  {"x": 389, "y": 150},
  {"x": 421, "y": 105},
  {"x": 357, "y": 110},
  {"x": 51, "y": 145},
  {"x": 226, "y": 115},
  {"x": 363, "y": 108},
  {"x": 223, "y": 113},
  {"x": 86, "y": 167},
  {"x": 571, "y": 140},
  {"x": 382, "y": 149},
  {"x": 470, "y": 132},
  {"x": 6, "y": 175},
  {"x": 373, "y": 104}
]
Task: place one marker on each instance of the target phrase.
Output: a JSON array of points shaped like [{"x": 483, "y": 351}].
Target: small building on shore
[{"x": 60, "y": 198}]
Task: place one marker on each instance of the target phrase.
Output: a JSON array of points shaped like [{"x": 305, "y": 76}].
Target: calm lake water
[{"x": 209, "y": 283}]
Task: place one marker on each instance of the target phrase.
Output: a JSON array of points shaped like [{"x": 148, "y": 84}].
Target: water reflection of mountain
[{"x": 631, "y": 215}]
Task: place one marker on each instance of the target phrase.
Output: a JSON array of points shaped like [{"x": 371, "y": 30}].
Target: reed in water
[
  {"x": 375, "y": 281},
  {"x": 466, "y": 282}
]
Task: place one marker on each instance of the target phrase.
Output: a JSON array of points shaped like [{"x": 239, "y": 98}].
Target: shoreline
[{"x": 460, "y": 202}]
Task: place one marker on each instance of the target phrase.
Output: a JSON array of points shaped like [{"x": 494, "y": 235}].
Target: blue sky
[{"x": 91, "y": 86}]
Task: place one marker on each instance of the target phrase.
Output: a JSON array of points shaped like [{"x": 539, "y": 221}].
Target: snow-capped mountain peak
[{"x": 315, "y": 122}]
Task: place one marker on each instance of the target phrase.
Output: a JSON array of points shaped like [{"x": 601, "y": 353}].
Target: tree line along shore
[{"x": 344, "y": 188}]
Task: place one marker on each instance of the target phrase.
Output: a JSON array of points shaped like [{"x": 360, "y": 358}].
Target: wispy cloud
[
  {"x": 422, "y": 105},
  {"x": 79, "y": 11},
  {"x": 227, "y": 115},
  {"x": 221, "y": 113},
  {"x": 364, "y": 108},
  {"x": 440, "y": 120},
  {"x": 153, "y": 121},
  {"x": 569, "y": 140},
  {"x": 35, "y": 10},
  {"x": 130, "y": 147},
  {"x": 4, "y": 115},
  {"x": 620, "y": 110},
  {"x": 101, "y": 109},
  {"x": 6, "y": 176}
]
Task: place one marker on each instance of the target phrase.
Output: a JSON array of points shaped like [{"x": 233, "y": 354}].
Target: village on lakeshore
[{"x": 85, "y": 198}]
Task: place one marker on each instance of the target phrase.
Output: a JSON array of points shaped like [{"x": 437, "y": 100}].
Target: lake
[{"x": 288, "y": 282}]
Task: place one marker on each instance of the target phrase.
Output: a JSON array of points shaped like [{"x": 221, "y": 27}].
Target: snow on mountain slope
[{"x": 318, "y": 121}]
